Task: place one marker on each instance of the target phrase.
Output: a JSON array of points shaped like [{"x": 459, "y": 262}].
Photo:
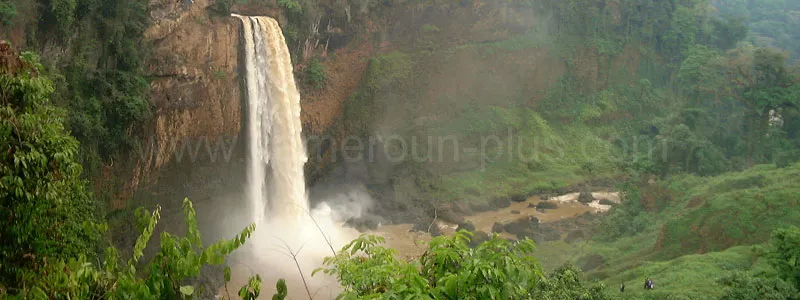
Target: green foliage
[
  {"x": 253, "y": 288},
  {"x": 315, "y": 74},
  {"x": 64, "y": 13},
  {"x": 743, "y": 286},
  {"x": 627, "y": 219},
  {"x": 291, "y": 6},
  {"x": 450, "y": 269},
  {"x": 784, "y": 254},
  {"x": 281, "y": 290},
  {"x": 222, "y": 7},
  {"x": 47, "y": 213},
  {"x": 770, "y": 23},
  {"x": 7, "y": 12},
  {"x": 165, "y": 274}
]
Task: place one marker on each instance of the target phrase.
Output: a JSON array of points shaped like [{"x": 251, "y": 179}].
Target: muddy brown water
[
  {"x": 413, "y": 244},
  {"x": 410, "y": 244}
]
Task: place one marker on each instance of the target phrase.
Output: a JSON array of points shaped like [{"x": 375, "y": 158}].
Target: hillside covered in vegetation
[{"x": 688, "y": 108}]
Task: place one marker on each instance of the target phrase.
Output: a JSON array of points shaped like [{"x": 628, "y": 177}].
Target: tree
[
  {"x": 450, "y": 269},
  {"x": 46, "y": 213},
  {"x": 784, "y": 254},
  {"x": 743, "y": 286}
]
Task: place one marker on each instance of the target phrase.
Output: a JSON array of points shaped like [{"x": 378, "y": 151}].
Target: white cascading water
[{"x": 276, "y": 184}]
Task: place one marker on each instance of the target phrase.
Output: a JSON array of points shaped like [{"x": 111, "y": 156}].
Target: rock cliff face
[{"x": 195, "y": 86}]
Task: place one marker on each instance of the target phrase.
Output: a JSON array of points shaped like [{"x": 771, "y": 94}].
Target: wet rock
[
  {"x": 574, "y": 236},
  {"x": 427, "y": 227},
  {"x": 498, "y": 228},
  {"x": 607, "y": 202},
  {"x": 531, "y": 205},
  {"x": 545, "y": 197},
  {"x": 449, "y": 216},
  {"x": 541, "y": 210},
  {"x": 523, "y": 226},
  {"x": 364, "y": 223},
  {"x": 515, "y": 212},
  {"x": 480, "y": 206},
  {"x": 478, "y": 238},
  {"x": 519, "y": 198},
  {"x": 547, "y": 205},
  {"x": 468, "y": 226},
  {"x": 499, "y": 202}
]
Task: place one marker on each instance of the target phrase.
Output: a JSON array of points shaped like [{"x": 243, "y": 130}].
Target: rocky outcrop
[{"x": 195, "y": 85}]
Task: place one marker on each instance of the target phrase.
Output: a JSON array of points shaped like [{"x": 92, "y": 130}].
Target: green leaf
[{"x": 187, "y": 290}]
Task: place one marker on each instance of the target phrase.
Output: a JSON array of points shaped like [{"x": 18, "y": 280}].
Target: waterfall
[{"x": 276, "y": 153}]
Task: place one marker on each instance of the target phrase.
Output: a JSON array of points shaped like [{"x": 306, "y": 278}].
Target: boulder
[
  {"x": 547, "y": 205},
  {"x": 468, "y": 226},
  {"x": 607, "y": 202},
  {"x": 478, "y": 238},
  {"x": 498, "y": 228},
  {"x": 518, "y": 198}
]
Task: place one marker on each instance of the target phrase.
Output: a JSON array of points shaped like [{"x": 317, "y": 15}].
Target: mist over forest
[{"x": 398, "y": 149}]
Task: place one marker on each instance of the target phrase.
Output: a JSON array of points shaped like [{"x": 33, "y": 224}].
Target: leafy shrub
[
  {"x": 290, "y": 5},
  {"x": 64, "y": 13},
  {"x": 47, "y": 213},
  {"x": 495, "y": 269},
  {"x": 222, "y": 7},
  {"x": 315, "y": 74},
  {"x": 163, "y": 277},
  {"x": 7, "y": 12},
  {"x": 743, "y": 286}
]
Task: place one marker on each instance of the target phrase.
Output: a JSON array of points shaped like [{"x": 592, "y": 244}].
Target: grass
[
  {"x": 710, "y": 225},
  {"x": 692, "y": 276}
]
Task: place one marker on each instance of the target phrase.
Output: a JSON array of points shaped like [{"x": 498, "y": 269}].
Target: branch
[{"x": 294, "y": 254}]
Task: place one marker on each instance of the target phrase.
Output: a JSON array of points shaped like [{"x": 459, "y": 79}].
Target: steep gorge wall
[{"x": 195, "y": 83}]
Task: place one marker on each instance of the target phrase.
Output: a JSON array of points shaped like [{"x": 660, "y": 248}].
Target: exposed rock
[
  {"x": 607, "y": 202},
  {"x": 446, "y": 214},
  {"x": 523, "y": 226},
  {"x": 428, "y": 227},
  {"x": 518, "y": 198},
  {"x": 541, "y": 210},
  {"x": 531, "y": 205},
  {"x": 480, "y": 206},
  {"x": 498, "y": 228},
  {"x": 499, "y": 202},
  {"x": 468, "y": 226},
  {"x": 478, "y": 238},
  {"x": 364, "y": 223},
  {"x": 547, "y": 205}
]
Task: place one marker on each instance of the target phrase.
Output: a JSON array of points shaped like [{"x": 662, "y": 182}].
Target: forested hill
[
  {"x": 771, "y": 23},
  {"x": 688, "y": 107}
]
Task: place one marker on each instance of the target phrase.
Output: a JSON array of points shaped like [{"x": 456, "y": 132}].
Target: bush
[
  {"x": 290, "y": 5},
  {"x": 47, "y": 212},
  {"x": 7, "y": 12},
  {"x": 222, "y": 7},
  {"x": 64, "y": 13},
  {"x": 165, "y": 276},
  {"x": 315, "y": 74}
]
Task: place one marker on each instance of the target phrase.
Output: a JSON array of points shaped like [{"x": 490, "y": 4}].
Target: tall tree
[{"x": 45, "y": 210}]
